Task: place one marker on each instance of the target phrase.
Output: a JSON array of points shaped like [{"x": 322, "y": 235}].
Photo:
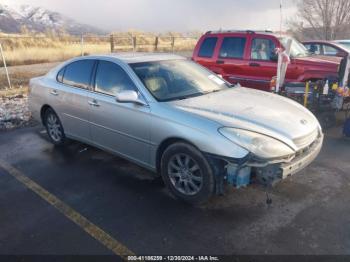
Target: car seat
[{"x": 158, "y": 86}]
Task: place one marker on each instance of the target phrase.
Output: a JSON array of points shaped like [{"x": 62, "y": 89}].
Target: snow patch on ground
[{"x": 14, "y": 112}]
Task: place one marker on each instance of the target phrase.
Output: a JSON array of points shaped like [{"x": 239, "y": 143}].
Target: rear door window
[
  {"x": 78, "y": 74},
  {"x": 233, "y": 47},
  {"x": 262, "y": 49},
  {"x": 111, "y": 79},
  {"x": 329, "y": 50},
  {"x": 208, "y": 47}
]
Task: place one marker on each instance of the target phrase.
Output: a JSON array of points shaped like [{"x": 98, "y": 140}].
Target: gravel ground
[{"x": 14, "y": 113}]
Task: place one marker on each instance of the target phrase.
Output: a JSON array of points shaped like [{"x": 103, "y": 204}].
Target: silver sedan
[{"x": 176, "y": 118}]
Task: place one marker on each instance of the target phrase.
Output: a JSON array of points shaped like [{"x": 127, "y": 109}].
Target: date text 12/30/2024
[{"x": 173, "y": 258}]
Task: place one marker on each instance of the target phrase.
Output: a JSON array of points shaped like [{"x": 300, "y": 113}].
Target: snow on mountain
[{"x": 39, "y": 19}]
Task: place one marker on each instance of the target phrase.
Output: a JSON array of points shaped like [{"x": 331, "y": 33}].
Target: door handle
[
  {"x": 220, "y": 62},
  {"x": 54, "y": 92},
  {"x": 94, "y": 103},
  {"x": 254, "y": 64}
]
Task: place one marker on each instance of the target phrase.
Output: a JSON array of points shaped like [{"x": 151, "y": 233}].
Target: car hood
[
  {"x": 320, "y": 61},
  {"x": 254, "y": 110}
]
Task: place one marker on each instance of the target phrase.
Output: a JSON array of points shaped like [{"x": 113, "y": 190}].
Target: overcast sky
[{"x": 170, "y": 15}]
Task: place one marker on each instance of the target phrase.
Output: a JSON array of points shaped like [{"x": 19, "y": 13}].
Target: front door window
[{"x": 262, "y": 49}]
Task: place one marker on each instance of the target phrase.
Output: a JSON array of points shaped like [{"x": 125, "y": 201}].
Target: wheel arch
[
  {"x": 165, "y": 144},
  {"x": 43, "y": 110}
]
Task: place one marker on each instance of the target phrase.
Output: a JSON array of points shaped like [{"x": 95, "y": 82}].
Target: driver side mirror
[{"x": 129, "y": 96}]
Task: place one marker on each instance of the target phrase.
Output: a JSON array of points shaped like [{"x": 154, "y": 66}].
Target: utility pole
[{"x": 281, "y": 17}]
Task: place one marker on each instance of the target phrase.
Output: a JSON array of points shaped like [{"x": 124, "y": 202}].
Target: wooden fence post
[
  {"x": 134, "y": 44},
  {"x": 156, "y": 44},
  {"x": 112, "y": 42},
  {"x": 82, "y": 44},
  {"x": 5, "y": 66},
  {"x": 172, "y": 43}
]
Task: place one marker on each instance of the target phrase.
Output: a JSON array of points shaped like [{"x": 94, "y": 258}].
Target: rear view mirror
[{"x": 129, "y": 96}]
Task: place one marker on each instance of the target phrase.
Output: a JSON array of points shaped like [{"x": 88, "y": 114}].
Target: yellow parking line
[{"x": 89, "y": 227}]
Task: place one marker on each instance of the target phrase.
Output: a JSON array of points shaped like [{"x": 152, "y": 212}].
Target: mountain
[{"x": 38, "y": 19}]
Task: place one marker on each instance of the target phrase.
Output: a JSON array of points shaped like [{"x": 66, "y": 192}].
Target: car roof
[
  {"x": 342, "y": 41},
  {"x": 334, "y": 43},
  {"x": 318, "y": 41},
  {"x": 232, "y": 32},
  {"x": 138, "y": 57}
]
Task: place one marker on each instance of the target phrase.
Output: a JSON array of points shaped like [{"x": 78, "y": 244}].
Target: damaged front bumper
[
  {"x": 241, "y": 172},
  {"x": 272, "y": 173},
  {"x": 302, "y": 159}
]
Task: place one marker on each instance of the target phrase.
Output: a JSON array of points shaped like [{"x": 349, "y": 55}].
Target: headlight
[{"x": 260, "y": 145}]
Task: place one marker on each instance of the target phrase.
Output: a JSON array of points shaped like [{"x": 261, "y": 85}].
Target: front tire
[
  {"x": 54, "y": 128},
  {"x": 187, "y": 173}
]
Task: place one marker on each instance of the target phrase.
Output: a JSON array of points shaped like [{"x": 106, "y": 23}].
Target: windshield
[
  {"x": 297, "y": 49},
  {"x": 177, "y": 79}
]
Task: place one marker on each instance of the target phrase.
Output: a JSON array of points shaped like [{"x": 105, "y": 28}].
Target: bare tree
[{"x": 326, "y": 18}]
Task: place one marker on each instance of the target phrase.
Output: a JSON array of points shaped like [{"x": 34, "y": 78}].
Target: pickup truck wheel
[
  {"x": 187, "y": 173},
  {"x": 54, "y": 128}
]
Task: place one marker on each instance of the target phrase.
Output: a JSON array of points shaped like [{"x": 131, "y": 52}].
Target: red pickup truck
[{"x": 249, "y": 58}]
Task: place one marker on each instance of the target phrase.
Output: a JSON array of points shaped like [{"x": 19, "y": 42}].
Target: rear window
[
  {"x": 78, "y": 73},
  {"x": 232, "y": 47},
  {"x": 208, "y": 47}
]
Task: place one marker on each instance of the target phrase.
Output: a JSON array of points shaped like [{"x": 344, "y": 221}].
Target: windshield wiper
[
  {"x": 182, "y": 97},
  {"x": 191, "y": 95},
  {"x": 211, "y": 91}
]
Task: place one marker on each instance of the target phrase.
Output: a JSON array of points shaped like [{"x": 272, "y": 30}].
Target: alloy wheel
[
  {"x": 54, "y": 128},
  {"x": 185, "y": 174}
]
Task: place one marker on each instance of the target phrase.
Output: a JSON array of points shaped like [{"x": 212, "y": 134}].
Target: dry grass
[
  {"x": 33, "y": 55},
  {"x": 20, "y": 75},
  {"x": 26, "y": 49},
  {"x": 13, "y": 92},
  {"x": 18, "y": 79}
]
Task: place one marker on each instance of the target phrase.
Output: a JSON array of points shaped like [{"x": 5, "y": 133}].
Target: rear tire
[
  {"x": 187, "y": 173},
  {"x": 54, "y": 128}
]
